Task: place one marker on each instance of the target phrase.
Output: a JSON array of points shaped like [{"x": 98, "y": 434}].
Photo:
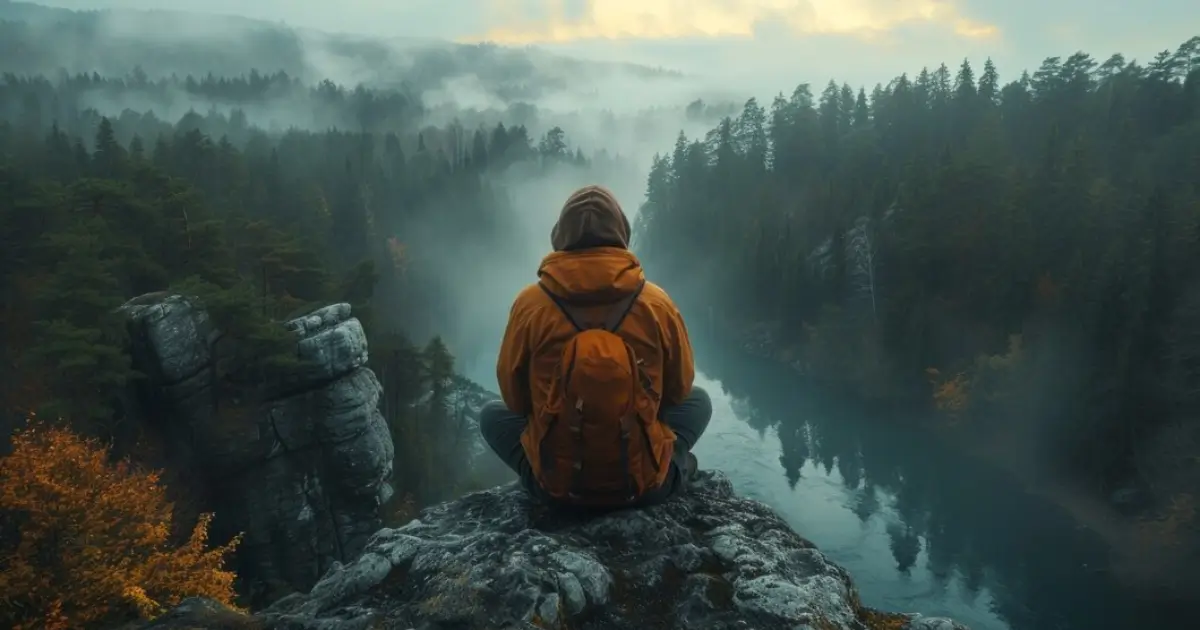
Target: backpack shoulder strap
[
  {"x": 617, "y": 315},
  {"x": 611, "y": 322},
  {"x": 573, "y": 314}
]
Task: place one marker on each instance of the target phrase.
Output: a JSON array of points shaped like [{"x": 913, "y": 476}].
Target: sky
[{"x": 755, "y": 43}]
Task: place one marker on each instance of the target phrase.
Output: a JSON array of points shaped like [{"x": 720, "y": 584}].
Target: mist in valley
[{"x": 170, "y": 64}]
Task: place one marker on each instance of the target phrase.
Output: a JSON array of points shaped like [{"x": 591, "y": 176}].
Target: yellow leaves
[
  {"x": 147, "y": 608},
  {"x": 988, "y": 379},
  {"x": 55, "y": 619},
  {"x": 950, "y": 395},
  {"x": 94, "y": 538}
]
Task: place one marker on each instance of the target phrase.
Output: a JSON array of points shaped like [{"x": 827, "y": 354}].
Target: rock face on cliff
[
  {"x": 490, "y": 560},
  {"x": 303, "y": 471}
]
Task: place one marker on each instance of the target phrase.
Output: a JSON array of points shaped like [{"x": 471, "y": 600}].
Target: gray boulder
[
  {"x": 709, "y": 560},
  {"x": 302, "y": 470}
]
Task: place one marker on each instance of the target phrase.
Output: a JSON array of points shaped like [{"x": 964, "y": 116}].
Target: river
[{"x": 918, "y": 527}]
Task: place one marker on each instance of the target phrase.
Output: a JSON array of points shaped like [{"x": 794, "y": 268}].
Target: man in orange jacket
[{"x": 595, "y": 372}]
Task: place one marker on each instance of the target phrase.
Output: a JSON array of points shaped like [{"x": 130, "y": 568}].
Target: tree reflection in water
[{"x": 954, "y": 517}]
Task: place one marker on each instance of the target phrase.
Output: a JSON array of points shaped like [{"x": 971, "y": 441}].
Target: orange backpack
[{"x": 598, "y": 440}]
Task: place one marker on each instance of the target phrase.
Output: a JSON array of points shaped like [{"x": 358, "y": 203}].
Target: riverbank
[
  {"x": 1140, "y": 558},
  {"x": 1145, "y": 552}
]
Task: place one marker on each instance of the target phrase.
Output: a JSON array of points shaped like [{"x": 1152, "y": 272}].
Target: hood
[
  {"x": 591, "y": 217},
  {"x": 597, "y": 275}
]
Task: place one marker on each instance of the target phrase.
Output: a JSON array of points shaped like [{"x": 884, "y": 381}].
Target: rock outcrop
[
  {"x": 709, "y": 560},
  {"x": 301, "y": 471}
]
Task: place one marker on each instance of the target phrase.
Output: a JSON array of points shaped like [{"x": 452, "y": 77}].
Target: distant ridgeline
[
  {"x": 36, "y": 39},
  {"x": 1025, "y": 254}
]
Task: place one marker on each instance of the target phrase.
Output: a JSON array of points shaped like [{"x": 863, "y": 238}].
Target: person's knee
[
  {"x": 501, "y": 429},
  {"x": 700, "y": 402},
  {"x": 492, "y": 411},
  {"x": 494, "y": 417},
  {"x": 699, "y": 412},
  {"x": 689, "y": 418}
]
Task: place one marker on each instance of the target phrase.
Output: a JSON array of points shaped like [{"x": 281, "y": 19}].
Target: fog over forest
[
  {"x": 618, "y": 114},
  {"x": 994, "y": 261}
]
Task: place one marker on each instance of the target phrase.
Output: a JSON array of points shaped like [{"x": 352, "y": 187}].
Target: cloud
[
  {"x": 759, "y": 46},
  {"x": 561, "y": 21}
]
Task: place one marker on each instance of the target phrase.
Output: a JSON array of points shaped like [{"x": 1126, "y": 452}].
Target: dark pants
[{"x": 501, "y": 429}]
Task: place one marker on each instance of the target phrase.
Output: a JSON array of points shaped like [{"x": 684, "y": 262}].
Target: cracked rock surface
[
  {"x": 302, "y": 472},
  {"x": 709, "y": 560}
]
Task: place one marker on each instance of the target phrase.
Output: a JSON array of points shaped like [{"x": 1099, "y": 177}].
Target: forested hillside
[
  {"x": 1028, "y": 251},
  {"x": 95, "y": 211}
]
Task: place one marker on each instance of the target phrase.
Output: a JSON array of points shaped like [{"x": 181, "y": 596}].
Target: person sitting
[{"x": 595, "y": 372}]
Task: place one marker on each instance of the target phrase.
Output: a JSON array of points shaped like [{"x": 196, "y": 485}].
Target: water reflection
[{"x": 919, "y": 528}]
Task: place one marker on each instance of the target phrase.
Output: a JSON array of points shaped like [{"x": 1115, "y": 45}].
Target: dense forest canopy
[
  {"x": 1029, "y": 249},
  {"x": 263, "y": 225}
]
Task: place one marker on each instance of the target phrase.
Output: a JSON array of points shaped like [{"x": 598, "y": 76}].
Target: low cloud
[{"x": 562, "y": 21}]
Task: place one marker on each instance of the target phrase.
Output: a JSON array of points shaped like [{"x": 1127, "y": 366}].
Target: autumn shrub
[
  {"x": 951, "y": 394},
  {"x": 88, "y": 541},
  {"x": 990, "y": 381}
]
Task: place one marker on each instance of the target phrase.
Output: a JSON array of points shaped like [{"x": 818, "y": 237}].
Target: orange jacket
[{"x": 537, "y": 329}]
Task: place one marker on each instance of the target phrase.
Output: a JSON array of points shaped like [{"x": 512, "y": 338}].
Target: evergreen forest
[
  {"x": 98, "y": 210},
  {"x": 1021, "y": 256}
]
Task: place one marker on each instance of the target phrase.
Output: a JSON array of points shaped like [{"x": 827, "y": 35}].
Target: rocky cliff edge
[
  {"x": 492, "y": 560},
  {"x": 302, "y": 472}
]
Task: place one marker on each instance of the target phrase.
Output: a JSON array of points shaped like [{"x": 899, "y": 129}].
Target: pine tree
[
  {"x": 109, "y": 158},
  {"x": 80, "y": 337}
]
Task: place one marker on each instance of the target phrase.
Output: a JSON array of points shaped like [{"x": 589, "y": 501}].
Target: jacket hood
[
  {"x": 596, "y": 275},
  {"x": 591, "y": 217}
]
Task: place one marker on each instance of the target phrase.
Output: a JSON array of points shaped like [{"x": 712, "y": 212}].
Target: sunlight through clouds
[{"x": 561, "y": 21}]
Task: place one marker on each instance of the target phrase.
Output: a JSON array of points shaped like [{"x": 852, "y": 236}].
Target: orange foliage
[
  {"x": 990, "y": 380},
  {"x": 91, "y": 543},
  {"x": 950, "y": 395}
]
